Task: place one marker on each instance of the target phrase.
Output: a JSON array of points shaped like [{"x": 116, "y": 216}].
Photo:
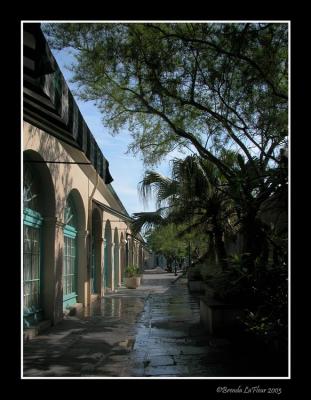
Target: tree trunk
[
  {"x": 254, "y": 243},
  {"x": 220, "y": 248}
]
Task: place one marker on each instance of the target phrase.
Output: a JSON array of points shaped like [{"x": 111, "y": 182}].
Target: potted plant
[{"x": 132, "y": 277}]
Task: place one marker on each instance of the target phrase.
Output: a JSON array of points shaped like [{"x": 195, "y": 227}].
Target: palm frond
[
  {"x": 146, "y": 220},
  {"x": 161, "y": 186}
]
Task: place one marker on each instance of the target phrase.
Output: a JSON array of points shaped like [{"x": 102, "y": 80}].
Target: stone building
[{"x": 77, "y": 239}]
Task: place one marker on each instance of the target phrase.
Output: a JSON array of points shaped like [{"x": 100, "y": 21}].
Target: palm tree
[{"x": 191, "y": 196}]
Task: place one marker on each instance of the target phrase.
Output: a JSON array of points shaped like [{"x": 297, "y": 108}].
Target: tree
[
  {"x": 204, "y": 87},
  {"x": 165, "y": 240},
  {"x": 172, "y": 241},
  {"x": 192, "y": 197}
]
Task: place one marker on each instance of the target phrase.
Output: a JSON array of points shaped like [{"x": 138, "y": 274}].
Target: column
[
  {"x": 119, "y": 265},
  {"x": 52, "y": 269},
  {"x": 100, "y": 269},
  {"x": 122, "y": 260},
  {"x": 82, "y": 264},
  {"x": 112, "y": 266}
]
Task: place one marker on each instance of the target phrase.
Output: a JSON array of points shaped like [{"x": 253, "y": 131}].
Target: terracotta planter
[{"x": 133, "y": 282}]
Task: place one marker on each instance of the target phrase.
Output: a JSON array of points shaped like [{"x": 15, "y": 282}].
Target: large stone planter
[
  {"x": 208, "y": 290},
  {"x": 193, "y": 275},
  {"x": 195, "y": 286},
  {"x": 133, "y": 282},
  {"x": 219, "y": 318}
]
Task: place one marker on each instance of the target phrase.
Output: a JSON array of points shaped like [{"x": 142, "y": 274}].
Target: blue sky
[{"x": 126, "y": 170}]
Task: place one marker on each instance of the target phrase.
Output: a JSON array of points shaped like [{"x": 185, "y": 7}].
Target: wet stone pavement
[{"x": 152, "y": 331}]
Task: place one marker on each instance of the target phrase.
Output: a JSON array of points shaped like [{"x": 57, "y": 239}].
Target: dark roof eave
[{"x": 113, "y": 211}]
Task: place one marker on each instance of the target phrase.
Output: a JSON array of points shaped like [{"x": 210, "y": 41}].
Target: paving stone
[
  {"x": 152, "y": 331},
  {"x": 157, "y": 361},
  {"x": 166, "y": 371},
  {"x": 163, "y": 351},
  {"x": 167, "y": 333}
]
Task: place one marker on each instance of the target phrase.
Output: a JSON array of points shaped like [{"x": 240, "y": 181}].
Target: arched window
[
  {"x": 32, "y": 222},
  {"x": 70, "y": 255}
]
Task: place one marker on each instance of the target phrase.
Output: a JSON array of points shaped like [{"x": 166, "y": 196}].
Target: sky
[{"x": 126, "y": 169}]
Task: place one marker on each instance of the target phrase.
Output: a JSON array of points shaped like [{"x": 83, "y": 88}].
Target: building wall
[{"x": 60, "y": 180}]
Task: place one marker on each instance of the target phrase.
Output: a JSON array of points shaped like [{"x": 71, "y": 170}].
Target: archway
[
  {"x": 116, "y": 259},
  {"x": 107, "y": 257},
  {"x": 96, "y": 252},
  {"x": 38, "y": 207}
]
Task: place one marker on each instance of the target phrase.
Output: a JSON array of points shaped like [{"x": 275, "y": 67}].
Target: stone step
[{"x": 33, "y": 331}]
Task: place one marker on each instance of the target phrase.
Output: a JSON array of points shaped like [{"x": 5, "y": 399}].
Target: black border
[{"x": 299, "y": 116}]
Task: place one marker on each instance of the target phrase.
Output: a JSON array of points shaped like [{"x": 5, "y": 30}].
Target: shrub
[
  {"x": 132, "y": 271},
  {"x": 264, "y": 293},
  {"x": 269, "y": 322}
]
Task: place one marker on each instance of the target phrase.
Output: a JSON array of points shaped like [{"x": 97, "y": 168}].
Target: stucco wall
[{"x": 80, "y": 181}]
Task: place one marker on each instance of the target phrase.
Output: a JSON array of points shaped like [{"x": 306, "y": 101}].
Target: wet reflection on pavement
[{"x": 151, "y": 331}]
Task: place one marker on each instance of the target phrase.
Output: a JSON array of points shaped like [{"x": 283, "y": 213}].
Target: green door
[
  {"x": 70, "y": 276},
  {"x": 32, "y": 309},
  {"x": 32, "y": 257},
  {"x": 69, "y": 269}
]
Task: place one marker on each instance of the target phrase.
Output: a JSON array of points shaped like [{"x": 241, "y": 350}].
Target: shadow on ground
[{"x": 152, "y": 331}]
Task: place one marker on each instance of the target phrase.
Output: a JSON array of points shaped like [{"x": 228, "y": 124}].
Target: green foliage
[
  {"x": 239, "y": 261},
  {"x": 212, "y": 87},
  {"x": 132, "y": 271},
  {"x": 208, "y": 85},
  {"x": 147, "y": 220},
  {"x": 269, "y": 321},
  {"x": 165, "y": 240},
  {"x": 268, "y": 326},
  {"x": 191, "y": 203},
  {"x": 225, "y": 87},
  {"x": 264, "y": 297},
  {"x": 235, "y": 286}
]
